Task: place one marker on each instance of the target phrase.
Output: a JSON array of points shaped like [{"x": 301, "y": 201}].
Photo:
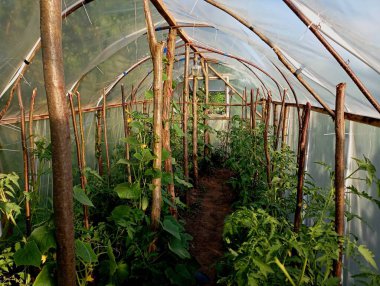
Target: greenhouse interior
[{"x": 189, "y": 142}]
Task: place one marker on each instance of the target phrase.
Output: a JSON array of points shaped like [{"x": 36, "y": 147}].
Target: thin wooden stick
[
  {"x": 156, "y": 50},
  {"x": 104, "y": 113},
  {"x": 25, "y": 159},
  {"x": 284, "y": 126},
  {"x": 81, "y": 129},
  {"x": 32, "y": 158},
  {"x": 168, "y": 96},
  {"x": 339, "y": 173},
  {"x": 282, "y": 110},
  {"x": 251, "y": 111},
  {"x": 126, "y": 133},
  {"x": 186, "y": 115},
  {"x": 195, "y": 128},
  {"x": 98, "y": 141},
  {"x": 206, "y": 151},
  {"x": 275, "y": 125},
  {"x": 301, "y": 166},
  {"x": 266, "y": 145}
]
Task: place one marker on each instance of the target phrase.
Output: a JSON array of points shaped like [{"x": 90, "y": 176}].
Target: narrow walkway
[{"x": 210, "y": 205}]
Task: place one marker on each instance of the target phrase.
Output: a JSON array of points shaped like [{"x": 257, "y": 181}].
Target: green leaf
[
  {"x": 368, "y": 255},
  {"x": 28, "y": 255},
  {"x": 93, "y": 173},
  {"x": 45, "y": 277},
  {"x": 44, "y": 238},
  {"x": 128, "y": 191},
  {"x": 131, "y": 140},
  {"x": 283, "y": 269},
  {"x": 170, "y": 225},
  {"x": 176, "y": 246},
  {"x": 123, "y": 162},
  {"x": 144, "y": 203},
  {"x": 81, "y": 197},
  {"x": 165, "y": 154},
  {"x": 183, "y": 182},
  {"x": 164, "y": 76},
  {"x": 112, "y": 261},
  {"x": 84, "y": 251},
  {"x": 149, "y": 94},
  {"x": 178, "y": 130}
]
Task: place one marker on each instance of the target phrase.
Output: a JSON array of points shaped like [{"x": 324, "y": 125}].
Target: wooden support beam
[
  {"x": 302, "y": 143},
  {"x": 156, "y": 50},
  {"x": 275, "y": 49},
  {"x": 186, "y": 115},
  {"x": 339, "y": 173},
  {"x": 195, "y": 128},
  {"x": 206, "y": 151},
  {"x": 31, "y": 140},
  {"x": 346, "y": 67},
  {"x": 266, "y": 144},
  {"x": 51, "y": 43}
]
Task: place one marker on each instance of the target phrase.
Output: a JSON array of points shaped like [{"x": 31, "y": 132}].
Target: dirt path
[{"x": 211, "y": 204}]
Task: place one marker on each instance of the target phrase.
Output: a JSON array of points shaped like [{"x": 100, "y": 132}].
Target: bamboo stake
[
  {"x": 266, "y": 145},
  {"x": 31, "y": 138},
  {"x": 346, "y": 67},
  {"x": 98, "y": 141},
  {"x": 25, "y": 158},
  {"x": 339, "y": 173},
  {"x": 51, "y": 45},
  {"x": 126, "y": 133},
  {"x": 301, "y": 166},
  {"x": 104, "y": 113},
  {"x": 206, "y": 151},
  {"x": 168, "y": 95},
  {"x": 79, "y": 158},
  {"x": 195, "y": 128},
  {"x": 156, "y": 50},
  {"x": 275, "y": 49},
  {"x": 186, "y": 115}
]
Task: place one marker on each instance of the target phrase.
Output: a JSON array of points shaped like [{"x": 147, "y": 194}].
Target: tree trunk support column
[
  {"x": 156, "y": 50},
  {"x": 339, "y": 173},
  {"x": 301, "y": 166},
  {"x": 51, "y": 42}
]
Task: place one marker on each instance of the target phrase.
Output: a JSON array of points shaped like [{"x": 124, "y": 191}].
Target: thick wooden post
[
  {"x": 126, "y": 132},
  {"x": 156, "y": 50},
  {"x": 266, "y": 145},
  {"x": 25, "y": 159},
  {"x": 186, "y": 114},
  {"x": 51, "y": 43},
  {"x": 301, "y": 166},
  {"x": 31, "y": 140},
  {"x": 195, "y": 127},
  {"x": 168, "y": 96},
  {"x": 339, "y": 173}
]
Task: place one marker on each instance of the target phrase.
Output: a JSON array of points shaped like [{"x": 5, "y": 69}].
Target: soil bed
[{"x": 209, "y": 205}]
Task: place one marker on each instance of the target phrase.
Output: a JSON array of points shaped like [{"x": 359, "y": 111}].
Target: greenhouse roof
[{"x": 105, "y": 44}]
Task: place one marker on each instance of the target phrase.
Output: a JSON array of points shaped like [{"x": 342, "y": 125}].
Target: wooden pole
[
  {"x": 126, "y": 133},
  {"x": 284, "y": 126},
  {"x": 195, "y": 127},
  {"x": 98, "y": 141},
  {"x": 276, "y": 50},
  {"x": 339, "y": 173},
  {"x": 156, "y": 50},
  {"x": 83, "y": 180},
  {"x": 51, "y": 42},
  {"x": 251, "y": 107},
  {"x": 282, "y": 110},
  {"x": 275, "y": 125},
  {"x": 104, "y": 113},
  {"x": 206, "y": 151},
  {"x": 301, "y": 166},
  {"x": 346, "y": 67},
  {"x": 31, "y": 142},
  {"x": 81, "y": 129},
  {"x": 168, "y": 96},
  {"x": 25, "y": 159},
  {"x": 266, "y": 145},
  {"x": 186, "y": 115}
]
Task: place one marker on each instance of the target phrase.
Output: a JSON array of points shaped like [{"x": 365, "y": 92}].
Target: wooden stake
[
  {"x": 126, "y": 133},
  {"x": 98, "y": 141},
  {"x": 282, "y": 110},
  {"x": 275, "y": 125},
  {"x": 301, "y": 166},
  {"x": 51, "y": 43},
  {"x": 195, "y": 128},
  {"x": 266, "y": 145},
  {"x": 339, "y": 173},
  {"x": 25, "y": 158},
  {"x": 79, "y": 158},
  {"x": 206, "y": 151},
  {"x": 186, "y": 115},
  {"x": 31, "y": 140},
  {"x": 168, "y": 96},
  {"x": 284, "y": 132},
  {"x": 156, "y": 50},
  {"x": 104, "y": 113}
]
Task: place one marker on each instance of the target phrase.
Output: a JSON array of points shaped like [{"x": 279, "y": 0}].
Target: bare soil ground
[{"x": 210, "y": 204}]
